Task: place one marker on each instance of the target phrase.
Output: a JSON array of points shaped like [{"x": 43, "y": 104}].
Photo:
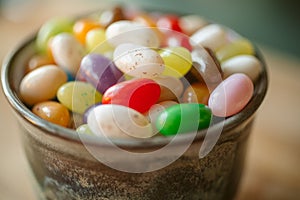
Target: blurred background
[{"x": 272, "y": 163}]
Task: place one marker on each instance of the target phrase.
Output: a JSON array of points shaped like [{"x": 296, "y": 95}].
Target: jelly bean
[
  {"x": 182, "y": 118},
  {"x": 52, "y": 111},
  {"x": 99, "y": 71},
  {"x": 207, "y": 66},
  {"x": 178, "y": 61},
  {"x": 231, "y": 96},
  {"x": 212, "y": 36},
  {"x": 37, "y": 61},
  {"x": 139, "y": 94},
  {"x": 41, "y": 84},
  {"x": 87, "y": 112},
  {"x": 171, "y": 88},
  {"x": 110, "y": 16},
  {"x": 118, "y": 33},
  {"x": 246, "y": 64},
  {"x": 191, "y": 23},
  {"x": 95, "y": 42},
  {"x": 196, "y": 93},
  {"x": 117, "y": 121},
  {"x": 237, "y": 47},
  {"x": 78, "y": 96},
  {"x": 156, "y": 110},
  {"x": 67, "y": 52},
  {"x": 170, "y": 22},
  {"x": 82, "y": 26},
  {"x": 138, "y": 61},
  {"x": 84, "y": 129},
  {"x": 50, "y": 29}
]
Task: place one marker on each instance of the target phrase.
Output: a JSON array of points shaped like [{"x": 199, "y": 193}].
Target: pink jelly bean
[{"x": 231, "y": 96}]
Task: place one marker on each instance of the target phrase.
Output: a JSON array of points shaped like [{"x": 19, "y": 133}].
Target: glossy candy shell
[
  {"x": 139, "y": 94},
  {"x": 78, "y": 96},
  {"x": 99, "y": 71},
  {"x": 53, "y": 112},
  {"x": 183, "y": 118}
]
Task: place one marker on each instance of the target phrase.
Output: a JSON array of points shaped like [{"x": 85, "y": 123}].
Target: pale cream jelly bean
[{"x": 138, "y": 74}]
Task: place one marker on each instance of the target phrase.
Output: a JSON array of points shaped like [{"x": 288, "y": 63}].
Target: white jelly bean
[
  {"x": 212, "y": 36},
  {"x": 67, "y": 52},
  {"x": 191, "y": 23},
  {"x": 138, "y": 61},
  {"x": 125, "y": 31},
  {"x": 117, "y": 121},
  {"x": 231, "y": 96},
  {"x": 42, "y": 84},
  {"x": 246, "y": 64}
]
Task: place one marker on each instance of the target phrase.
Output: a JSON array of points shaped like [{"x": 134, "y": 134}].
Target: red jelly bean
[
  {"x": 139, "y": 94},
  {"x": 169, "y": 22}
]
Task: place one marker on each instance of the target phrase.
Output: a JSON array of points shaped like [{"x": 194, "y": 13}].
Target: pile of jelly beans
[{"x": 138, "y": 74}]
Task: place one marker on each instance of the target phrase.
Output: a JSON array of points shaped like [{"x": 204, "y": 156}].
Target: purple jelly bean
[{"x": 100, "y": 71}]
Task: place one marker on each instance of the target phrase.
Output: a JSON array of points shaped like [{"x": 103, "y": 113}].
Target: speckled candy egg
[{"x": 138, "y": 61}]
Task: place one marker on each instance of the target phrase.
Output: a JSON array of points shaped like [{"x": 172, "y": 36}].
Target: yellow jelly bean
[
  {"x": 52, "y": 111},
  {"x": 95, "y": 42},
  {"x": 82, "y": 26},
  {"x": 178, "y": 61},
  {"x": 237, "y": 47},
  {"x": 78, "y": 96}
]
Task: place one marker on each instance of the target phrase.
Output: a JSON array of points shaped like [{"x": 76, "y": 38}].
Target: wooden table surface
[{"x": 273, "y": 161}]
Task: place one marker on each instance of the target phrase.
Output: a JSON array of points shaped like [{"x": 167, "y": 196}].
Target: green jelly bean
[
  {"x": 50, "y": 29},
  {"x": 182, "y": 118},
  {"x": 84, "y": 129},
  {"x": 237, "y": 47},
  {"x": 78, "y": 96}
]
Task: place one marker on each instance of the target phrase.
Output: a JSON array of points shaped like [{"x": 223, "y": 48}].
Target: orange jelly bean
[
  {"x": 196, "y": 93},
  {"x": 53, "y": 112},
  {"x": 82, "y": 26},
  {"x": 37, "y": 61}
]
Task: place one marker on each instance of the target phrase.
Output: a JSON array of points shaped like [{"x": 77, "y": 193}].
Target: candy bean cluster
[{"x": 138, "y": 74}]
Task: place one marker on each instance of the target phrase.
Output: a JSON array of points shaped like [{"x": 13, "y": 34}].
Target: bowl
[{"x": 66, "y": 165}]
